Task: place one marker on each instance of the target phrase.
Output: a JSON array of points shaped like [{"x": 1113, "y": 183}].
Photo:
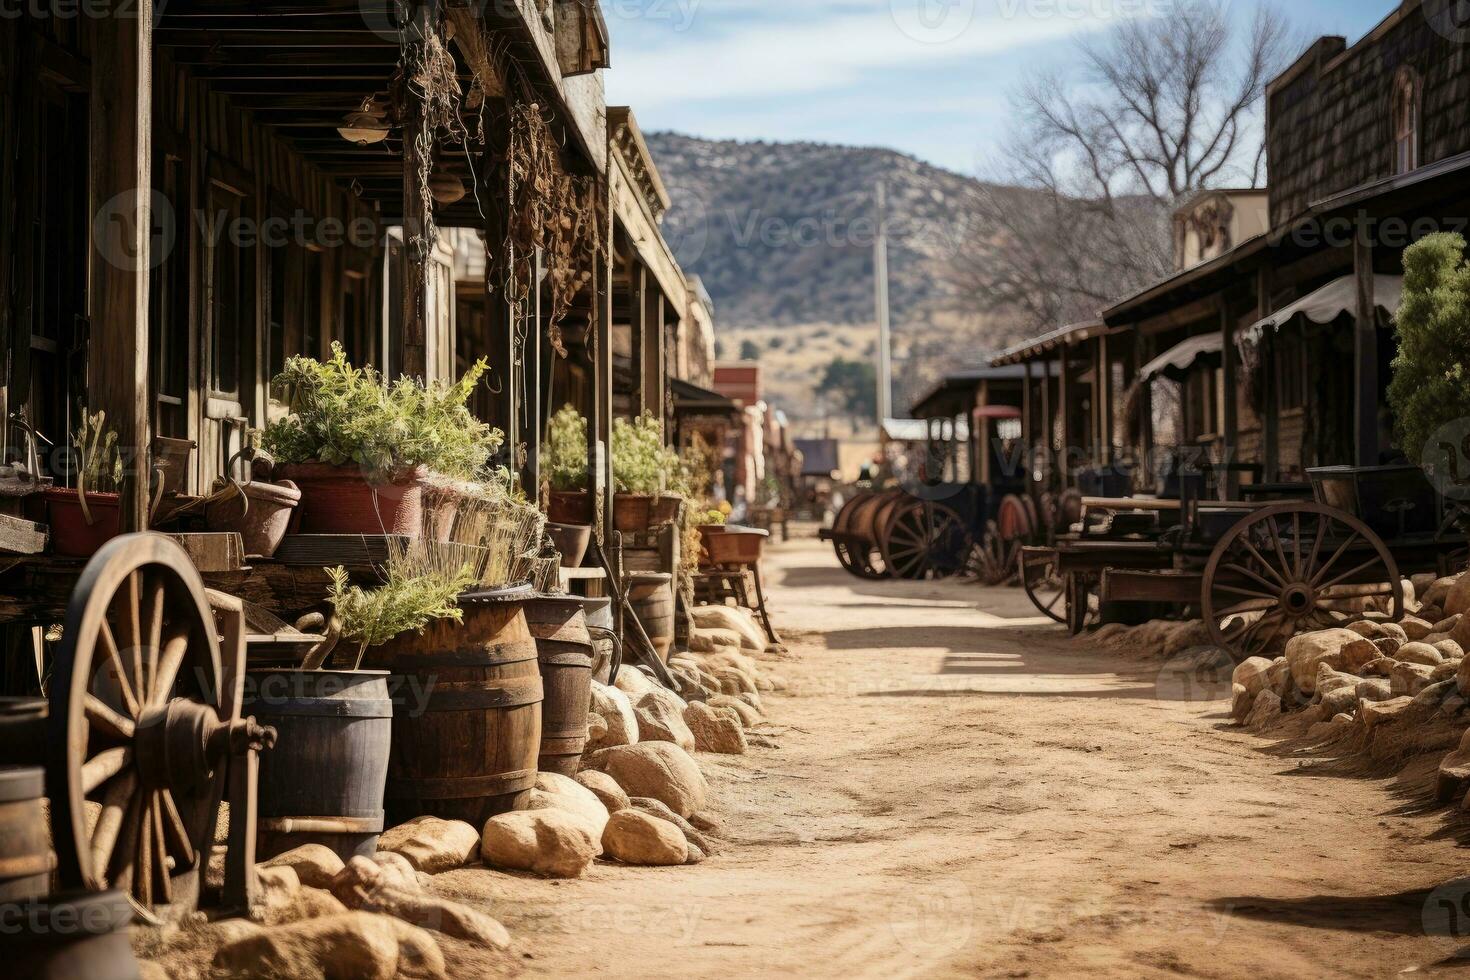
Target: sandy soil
[{"x": 958, "y": 789}]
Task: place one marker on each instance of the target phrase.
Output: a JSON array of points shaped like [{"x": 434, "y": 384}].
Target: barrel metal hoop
[
  {"x": 512, "y": 692},
  {"x": 320, "y": 708},
  {"x": 461, "y": 787}
]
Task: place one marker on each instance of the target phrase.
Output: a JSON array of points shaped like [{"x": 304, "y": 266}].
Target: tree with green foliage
[
  {"x": 853, "y": 385},
  {"x": 1431, "y": 375},
  {"x": 749, "y": 351}
]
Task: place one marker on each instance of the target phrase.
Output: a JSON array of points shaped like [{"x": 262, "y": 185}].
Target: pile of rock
[
  {"x": 639, "y": 801},
  {"x": 1393, "y": 689},
  {"x": 641, "y": 795}
]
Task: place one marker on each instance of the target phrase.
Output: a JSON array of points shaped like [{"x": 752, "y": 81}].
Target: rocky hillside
[{"x": 782, "y": 234}]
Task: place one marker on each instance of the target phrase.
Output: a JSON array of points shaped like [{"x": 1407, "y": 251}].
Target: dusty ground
[{"x": 960, "y": 790}]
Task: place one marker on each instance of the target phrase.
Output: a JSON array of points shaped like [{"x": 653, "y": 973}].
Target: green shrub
[
  {"x": 1431, "y": 375},
  {"x": 641, "y": 462},
  {"x": 564, "y": 457},
  {"x": 341, "y": 415}
]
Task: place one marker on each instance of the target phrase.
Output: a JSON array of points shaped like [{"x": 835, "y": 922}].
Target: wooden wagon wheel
[
  {"x": 1291, "y": 568},
  {"x": 142, "y": 725},
  {"x": 925, "y": 540},
  {"x": 1015, "y": 521},
  {"x": 1043, "y": 584},
  {"x": 993, "y": 557},
  {"x": 1079, "y": 590},
  {"x": 840, "y": 524}
]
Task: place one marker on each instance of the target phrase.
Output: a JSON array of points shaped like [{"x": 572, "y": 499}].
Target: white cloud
[{"x": 768, "y": 49}]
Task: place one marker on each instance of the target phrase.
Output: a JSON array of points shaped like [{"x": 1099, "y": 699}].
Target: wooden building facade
[{"x": 191, "y": 192}]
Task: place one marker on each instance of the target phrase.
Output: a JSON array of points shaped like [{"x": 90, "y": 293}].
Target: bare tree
[{"x": 1077, "y": 214}]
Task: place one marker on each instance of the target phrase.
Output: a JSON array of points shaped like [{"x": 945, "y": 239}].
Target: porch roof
[{"x": 299, "y": 69}]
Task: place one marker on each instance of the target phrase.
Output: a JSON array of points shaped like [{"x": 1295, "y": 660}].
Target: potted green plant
[
  {"x": 647, "y": 475},
  {"x": 362, "y": 450},
  {"x": 85, "y": 517},
  {"x": 564, "y": 467}
]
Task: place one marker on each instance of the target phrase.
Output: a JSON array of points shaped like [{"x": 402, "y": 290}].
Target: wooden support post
[
  {"x": 1064, "y": 409},
  {"x": 419, "y": 232},
  {"x": 1048, "y": 427},
  {"x": 530, "y": 417},
  {"x": 122, "y": 151},
  {"x": 499, "y": 263},
  {"x": 1229, "y": 423},
  {"x": 981, "y": 465},
  {"x": 1365, "y": 343},
  {"x": 599, "y": 428},
  {"x": 1103, "y": 404},
  {"x": 638, "y": 317},
  {"x": 652, "y": 367},
  {"x": 1142, "y": 349},
  {"x": 1028, "y": 424},
  {"x": 1270, "y": 422}
]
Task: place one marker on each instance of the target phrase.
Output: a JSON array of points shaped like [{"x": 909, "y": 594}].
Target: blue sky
[{"x": 928, "y": 77}]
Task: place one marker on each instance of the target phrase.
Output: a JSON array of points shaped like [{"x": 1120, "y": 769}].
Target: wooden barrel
[
  {"x": 467, "y": 714},
  {"x": 22, "y": 731},
  {"x": 26, "y": 861},
  {"x": 564, "y": 651},
  {"x": 323, "y": 782},
  {"x": 651, "y": 596},
  {"x": 70, "y": 937}
]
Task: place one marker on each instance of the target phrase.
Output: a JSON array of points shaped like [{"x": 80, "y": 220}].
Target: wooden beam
[
  {"x": 122, "y": 149},
  {"x": 418, "y": 216},
  {"x": 1270, "y": 423},
  {"x": 469, "y": 38},
  {"x": 1365, "y": 360},
  {"x": 599, "y": 429},
  {"x": 638, "y": 311},
  {"x": 653, "y": 384}
]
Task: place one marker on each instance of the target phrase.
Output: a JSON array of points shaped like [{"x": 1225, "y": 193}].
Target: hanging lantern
[
  {"x": 446, "y": 187},
  {"x": 365, "y": 126}
]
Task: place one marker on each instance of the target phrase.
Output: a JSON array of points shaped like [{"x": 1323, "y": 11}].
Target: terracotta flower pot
[
  {"x": 666, "y": 508},
  {"x": 71, "y": 535},
  {"x": 572, "y": 541},
  {"x": 736, "y": 546},
  {"x": 570, "y": 507},
  {"x": 261, "y": 516},
  {"x": 633, "y": 512},
  {"x": 343, "y": 500}
]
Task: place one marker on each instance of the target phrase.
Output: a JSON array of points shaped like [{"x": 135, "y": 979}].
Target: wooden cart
[
  {"x": 142, "y": 736},
  {"x": 1257, "y": 571}
]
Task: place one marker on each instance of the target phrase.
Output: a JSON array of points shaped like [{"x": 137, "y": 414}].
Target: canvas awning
[
  {"x": 1179, "y": 359},
  {"x": 1332, "y": 301}
]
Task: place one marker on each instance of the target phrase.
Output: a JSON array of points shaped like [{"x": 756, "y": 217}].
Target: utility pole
[{"x": 880, "y": 272}]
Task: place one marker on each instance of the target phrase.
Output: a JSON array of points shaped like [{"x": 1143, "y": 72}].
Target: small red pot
[
  {"x": 571, "y": 507},
  {"x": 342, "y": 500},
  {"x": 734, "y": 545},
  {"x": 71, "y": 535}
]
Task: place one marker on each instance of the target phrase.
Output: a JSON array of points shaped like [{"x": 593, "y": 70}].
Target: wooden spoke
[
  {"x": 108, "y": 721},
  {"x": 1245, "y": 542},
  {"x": 153, "y": 621},
  {"x": 120, "y": 866},
  {"x": 170, "y": 661},
  {"x": 1287, "y": 570},
  {"x": 1271, "y": 590},
  {"x": 114, "y": 659},
  {"x": 1341, "y": 550},
  {"x": 1349, "y": 574},
  {"x": 175, "y": 833},
  {"x": 160, "y": 854},
  {"x": 143, "y": 873},
  {"x": 131, "y": 625},
  {"x": 115, "y": 803},
  {"x": 1296, "y": 544},
  {"x": 103, "y": 766}
]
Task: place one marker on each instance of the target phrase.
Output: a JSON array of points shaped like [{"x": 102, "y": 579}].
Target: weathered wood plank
[{"x": 122, "y": 147}]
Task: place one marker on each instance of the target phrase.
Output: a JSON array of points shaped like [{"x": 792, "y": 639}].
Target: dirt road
[{"x": 961, "y": 790}]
